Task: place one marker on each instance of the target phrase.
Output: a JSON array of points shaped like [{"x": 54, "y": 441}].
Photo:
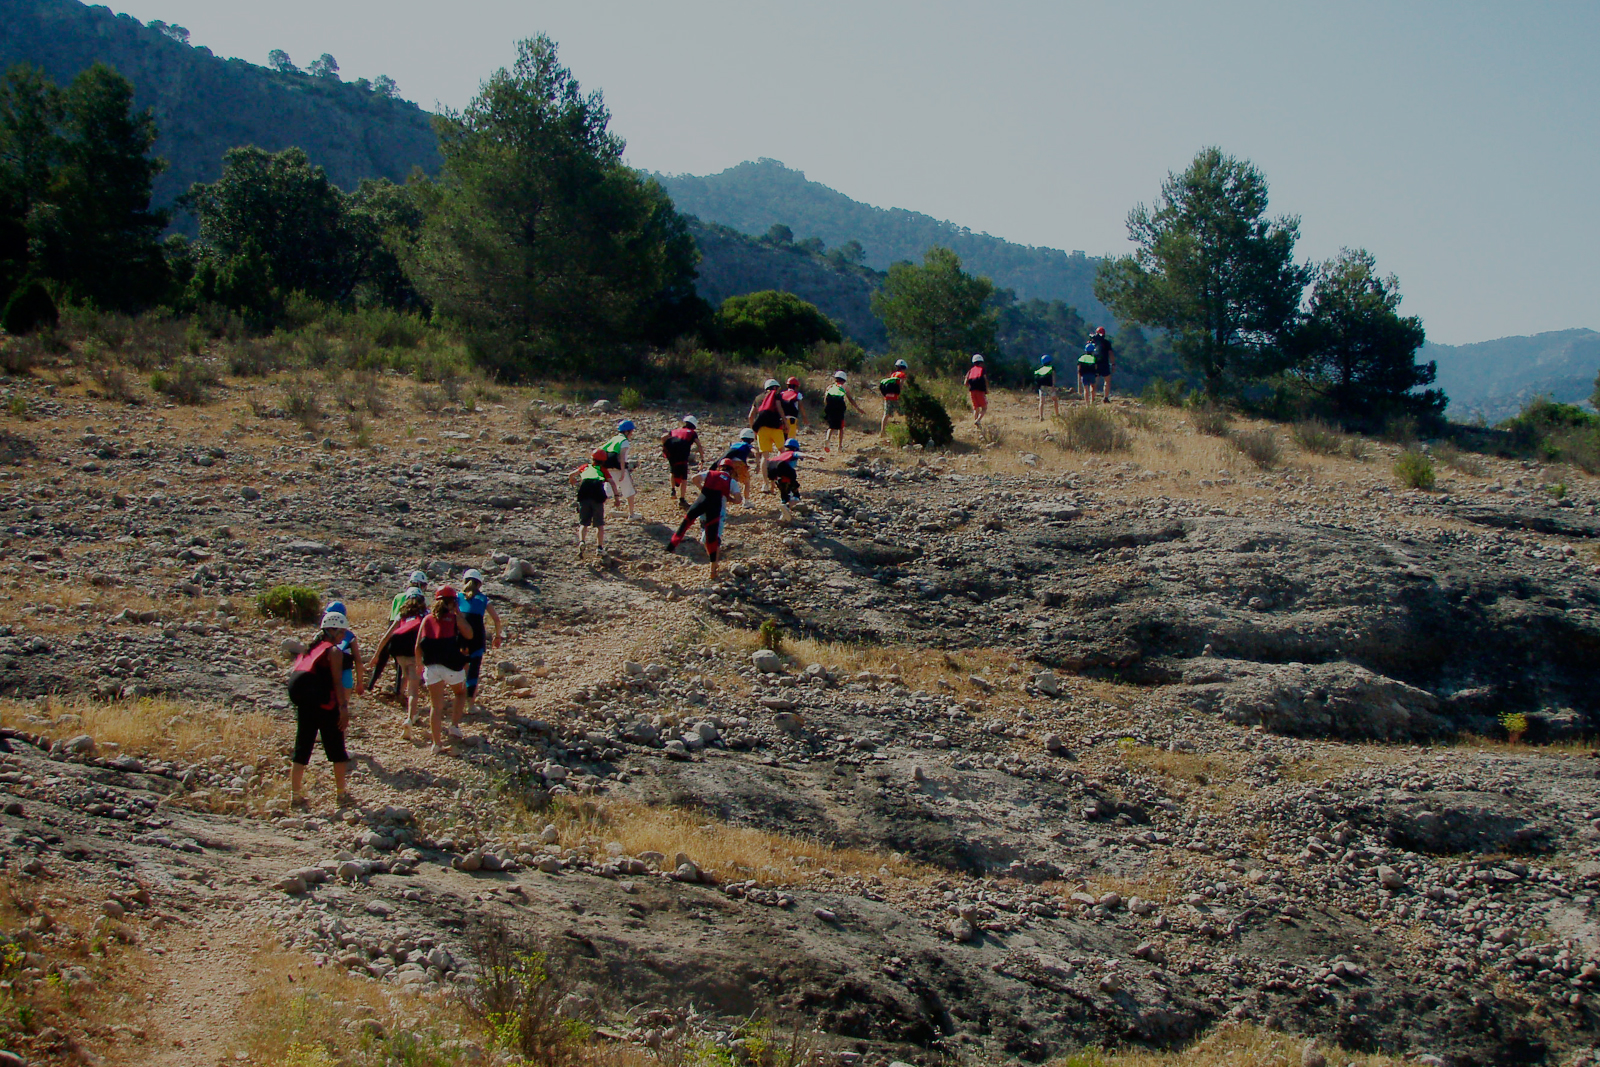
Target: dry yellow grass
[
  {"x": 1230, "y": 1046},
  {"x": 1583, "y": 748},
  {"x": 734, "y": 853},
  {"x": 162, "y": 728},
  {"x": 1195, "y": 768},
  {"x": 919, "y": 668}
]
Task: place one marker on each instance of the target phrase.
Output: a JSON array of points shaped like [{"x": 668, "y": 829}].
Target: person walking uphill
[
  {"x": 784, "y": 473},
  {"x": 441, "y": 660},
  {"x": 766, "y": 419},
  {"x": 890, "y": 389},
  {"x": 794, "y": 412},
  {"x": 613, "y": 458},
  {"x": 593, "y": 487},
  {"x": 717, "y": 486},
  {"x": 1103, "y": 357},
  {"x": 1044, "y": 379},
  {"x": 475, "y": 608},
  {"x": 400, "y": 641},
  {"x": 316, "y": 689},
  {"x": 675, "y": 447},
  {"x": 833, "y": 409},
  {"x": 736, "y": 461},
  {"x": 978, "y": 393}
]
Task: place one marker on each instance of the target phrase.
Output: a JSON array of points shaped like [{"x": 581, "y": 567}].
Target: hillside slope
[
  {"x": 1495, "y": 378},
  {"x": 733, "y": 264},
  {"x": 753, "y": 196},
  {"x": 205, "y": 105}
]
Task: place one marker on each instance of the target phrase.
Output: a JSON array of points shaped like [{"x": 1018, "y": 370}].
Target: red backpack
[
  {"x": 717, "y": 482},
  {"x": 309, "y": 683},
  {"x": 677, "y": 444}
]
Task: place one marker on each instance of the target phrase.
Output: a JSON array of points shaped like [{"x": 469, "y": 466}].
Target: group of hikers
[{"x": 438, "y": 642}]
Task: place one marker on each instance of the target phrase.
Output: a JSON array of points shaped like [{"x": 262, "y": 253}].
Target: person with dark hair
[
  {"x": 400, "y": 641},
  {"x": 1103, "y": 358},
  {"x": 441, "y": 659},
  {"x": 717, "y": 486},
  {"x": 316, "y": 689}
]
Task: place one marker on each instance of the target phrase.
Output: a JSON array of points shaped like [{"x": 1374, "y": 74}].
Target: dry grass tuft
[
  {"x": 1260, "y": 447},
  {"x": 1230, "y": 1046},
  {"x": 1583, "y": 748},
  {"x": 155, "y": 727},
  {"x": 1197, "y": 768},
  {"x": 918, "y": 668},
  {"x": 1091, "y": 428}
]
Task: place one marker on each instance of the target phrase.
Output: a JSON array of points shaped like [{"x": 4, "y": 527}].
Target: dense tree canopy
[
  {"x": 537, "y": 240},
  {"x": 1355, "y": 349},
  {"x": 760, "y": 322},
  {"x": 75, "y": 181},
  {"x": 1212, "y": 269},
  {"x": 937, "y": 311}
]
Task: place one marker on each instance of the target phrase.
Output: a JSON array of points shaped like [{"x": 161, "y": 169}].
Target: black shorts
[
  {"x": 835, "y": 422},
  {"x": 680, "y": 472},
  {"x": 1103, "y": 369},
  {"x": 309, "y": 722},
  {"x": 592, "y": 513},
  {"x": 1086, "y": 373}
]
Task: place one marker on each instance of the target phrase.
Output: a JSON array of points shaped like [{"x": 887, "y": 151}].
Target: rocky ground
[{"x": 1060, "y": 750}]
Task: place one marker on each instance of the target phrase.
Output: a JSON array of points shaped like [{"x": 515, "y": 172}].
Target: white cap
[
  {"x": 333, "y": 620},
  {"x": 772, "y": 383},
  {"x": 839, "y": 376},
  {"x": 977, "y": 359},
  {"x": 473, "y": 575},
  {"x": 419, "y": 578},
  {"x": 691, "y": 422}
]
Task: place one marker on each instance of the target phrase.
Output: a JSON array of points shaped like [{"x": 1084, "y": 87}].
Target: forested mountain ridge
[
  {"x": 205, "y": 105},
  {"x": 733, "y": 264},
  {"x": 1496, "y": 378},
  {"x": 752, "y": 197}
]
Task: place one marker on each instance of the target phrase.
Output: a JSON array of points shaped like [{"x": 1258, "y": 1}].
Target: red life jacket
[
  {"x": 677, "y": 444},
  {"x": 769, "y": 412},
  {"x": 717, "y": 481}
]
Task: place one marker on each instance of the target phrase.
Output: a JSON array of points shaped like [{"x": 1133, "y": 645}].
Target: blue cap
[
  {"x": 792, "y": 444},
  {"x": 337, "y": 605},
  {"x": 1090, "y": 347},
  {"x": 626, "y": 426},
  {"x": 1046, "y": 358}
]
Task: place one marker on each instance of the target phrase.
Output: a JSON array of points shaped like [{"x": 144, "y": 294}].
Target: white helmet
[
  {"x": 335, "y": 620},
  {"x": 839, "y": 376},
  {"x": 473, "y": 575},
  {"x": 747, "y": 434},
  {"x": 691, "y": 422},
  {"x": 977, "y": 359},
  {"x": 772, "y": 383},
  {"x": 419, "y": 579}
]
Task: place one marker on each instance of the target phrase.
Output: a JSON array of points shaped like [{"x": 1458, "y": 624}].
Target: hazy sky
[{"x": 1459, "y": 141}]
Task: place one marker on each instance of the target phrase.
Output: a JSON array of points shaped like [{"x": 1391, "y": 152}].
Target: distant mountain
[
  {"x": 752, "y": 197},
  {"x": 733, "y": 264},
  {"x": 205, "y": 105},
  {"x": 1495, "y": 378}
]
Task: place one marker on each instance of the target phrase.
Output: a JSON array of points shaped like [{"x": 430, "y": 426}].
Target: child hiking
[
  {"x": 978, "y": 393},
  {"x": 676, "y": 445},
  {"x": 766, "y": 419},
  {"x": 316, "y": 689},
  {"x": 890, "y": 389},
  {"x": 717, "y": 487},
  {"x": 593, "y": 488},
  {"x": 1044, "y": 379},
  {"x": 613, "y": 458},
  {"x": 834, "y": 402}
]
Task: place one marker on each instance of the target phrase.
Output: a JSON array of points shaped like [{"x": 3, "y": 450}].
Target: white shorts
[
  {"x": 624, "y": 485},
  {"x": 433, "y": 673}
]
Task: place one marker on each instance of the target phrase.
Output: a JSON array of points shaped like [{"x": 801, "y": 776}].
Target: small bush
[
  {"x": 1356, "y": 448},
  {"x": 927, "y": 420},
  {"x": 1318, "y": 438},
  {"x": 1414, "y": 470},
  {"x": 630, "y": 399},
  {"x": 897, "y": 435},
  {"x": 1139, "y": 419},
  {"x": 30, "y": 308},
  {"x": 518, "y": 1001},
  {"x": 1209, "y": 419},
  {"x": 428, "y": 399},
  {"x": 831, "y": 356},
  {"x": 258, "y": 357},
  {"x": 359, "y": 391},
  {"x": 1400, "y": 430},
  {"x": 188, "y": 382},
  {"x": 1162, "y": 393},
  {"x": 1260, "y": 447},
  {"x": 771, "y": 634},
  {"x": 295, "y": 603},
  {"x": 1091, "y": 428},
  {"x": 18, "y": 355},
  {"x": 300, "y": 403},
  {"x": 1454, "y": 458},
  {"x": 1579, "y": 447},
  {"x": 113, "y": 379}
]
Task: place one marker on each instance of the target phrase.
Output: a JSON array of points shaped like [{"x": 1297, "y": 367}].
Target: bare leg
[
  {"x": 341, "y": 773},
  {"x": 297, "y": 780},
  {"x": 436, "y": 712},
  {"x": 458, "y": 709}
]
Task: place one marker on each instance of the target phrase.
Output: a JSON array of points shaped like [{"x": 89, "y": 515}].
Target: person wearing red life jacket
[
  {"x": 400, "y": 641},
  {"x": 441, "y": 659},
  {"x": 783, "y": 473},
  {"x": 316, "y": 689},
  {"x": 978, "y": 393},
  {"x": 766, "y": 419},
  {"x": 676, "y": 445},
  {"x": 834, "y": 402},
  {"x": 794, "y": 413},
  {"x": 717, "y": 487}
]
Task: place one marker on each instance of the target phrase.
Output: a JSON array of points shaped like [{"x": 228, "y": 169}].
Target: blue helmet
[
  {"x": 792, "y": 444},
  {"x": 1091, "y": 348},
  {"x": 338, "y": 605},
  {"x": 626, "y": 426},
  {"x": 1046, "y": 359}
]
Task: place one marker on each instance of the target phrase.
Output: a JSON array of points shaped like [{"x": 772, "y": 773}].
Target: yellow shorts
[{"x": 769, "y": 439}]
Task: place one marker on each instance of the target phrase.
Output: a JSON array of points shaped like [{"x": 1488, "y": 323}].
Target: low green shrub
[
  {"x": 630, "y": 399},
  {"x": 1209, "y": 419},
  {"x": 188, "y": 382},
  {"x": 1318, "y": 438},
  {"x": 1260, "y": 447},
  {"x": 1414, "y": 470},
  {"x": 927, "y": 420},
  {"x": 295, "y": 603},
  {"x": 1091, "y": 428},
  {"x": 1162, "y": 393}
]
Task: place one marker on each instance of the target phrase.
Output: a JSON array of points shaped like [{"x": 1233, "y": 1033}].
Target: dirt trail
[{"x": 205, "y": 977}]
